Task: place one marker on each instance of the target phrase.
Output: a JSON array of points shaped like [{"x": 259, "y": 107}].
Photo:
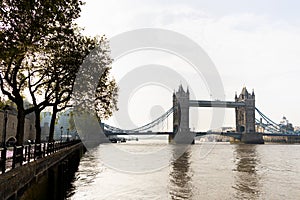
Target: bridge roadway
[
  {"x": 219, "y": 104},
  {"x": 236, "y": 135},
  {"x": 197, "y": 134},
  {"x": 280, "y": 134}
]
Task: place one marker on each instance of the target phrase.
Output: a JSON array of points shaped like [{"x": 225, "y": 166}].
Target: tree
[
  {"x": 106, "y": 94},
  {"x": 65, "y": 66},
  {"x": 93, "y": 56},
  {"x": 2, "y": 104},
  {"x": 95, "y": 90},
  {"x": 29, "y": 30}
]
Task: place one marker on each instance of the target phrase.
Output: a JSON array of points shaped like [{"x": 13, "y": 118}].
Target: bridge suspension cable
[
  {"x": 267, "y": 127},
  {"x": 269, "y": 124},
  {"x": 266, "y": 118},
  {"x": 142, "y": 128}
]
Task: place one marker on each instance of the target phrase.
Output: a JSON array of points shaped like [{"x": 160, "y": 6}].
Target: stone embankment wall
[{"x": 45, "y": 178}]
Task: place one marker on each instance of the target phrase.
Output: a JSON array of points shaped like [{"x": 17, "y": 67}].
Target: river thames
[{"x": 202, "y": 171}]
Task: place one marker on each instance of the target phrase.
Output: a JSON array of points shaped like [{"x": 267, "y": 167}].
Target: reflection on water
[
  {"x": 180, "y": 175},
  {"x": 88, "y": 169},
  {"x": 226, "y": 172},
  {"x": 247, "y": 179}
]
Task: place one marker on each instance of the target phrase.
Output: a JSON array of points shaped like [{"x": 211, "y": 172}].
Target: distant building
[
  {"x": 259, "y": 128},
  {"x": 11, "y": 127},
  {"x": 223, "y": 129},
  {"x": 285, "y": 126},
  {"x": 45, "y": 125},
  {"x": 62, "y": 128},
  {"x": 297, "y": 129}
]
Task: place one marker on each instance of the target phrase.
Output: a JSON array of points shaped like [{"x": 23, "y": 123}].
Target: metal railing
[{"x": 11, "y": 157}]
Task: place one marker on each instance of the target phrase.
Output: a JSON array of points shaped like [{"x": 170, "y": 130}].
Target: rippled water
[{"x": 203, "y": 171}]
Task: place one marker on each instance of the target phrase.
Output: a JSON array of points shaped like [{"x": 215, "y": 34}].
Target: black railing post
[
  {"x": 3, "y": 160},
  {"x": 29, "y": 152},
  {"x": 52, "y": 147},
  {"x": 17, "y": 156},
  {"x": 38, "y": 151},
  {"x": 44, "y": 149},
  {"x": 48, "y": 148},
  {"x": 35, "y": 150},
  {"x": 14, "y": 157},
  {"x": 21, "y": 155},
  {"x": 25, "y": 154}
]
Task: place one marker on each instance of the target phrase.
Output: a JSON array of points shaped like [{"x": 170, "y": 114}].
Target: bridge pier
[
  {"x": 171, "y": 138},
  {"x": 248, "y": 138},
  {"x": 182, "y": 138},
  {"x": 252, "y": 138}
]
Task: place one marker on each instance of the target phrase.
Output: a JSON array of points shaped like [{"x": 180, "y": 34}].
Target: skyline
[{"x": 255, "y": 44}]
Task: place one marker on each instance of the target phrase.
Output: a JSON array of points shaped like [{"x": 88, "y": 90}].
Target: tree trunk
[
  {"x": 20, "y": 125},
  {"x": 52, "y": 124},
  {"x": 38, "y": 130}
]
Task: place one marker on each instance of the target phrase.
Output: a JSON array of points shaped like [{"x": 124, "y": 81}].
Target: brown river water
[{"x": 202, "y": 171}]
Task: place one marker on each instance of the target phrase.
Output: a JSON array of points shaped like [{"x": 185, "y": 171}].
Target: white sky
[{"x": 252, "y": 43}]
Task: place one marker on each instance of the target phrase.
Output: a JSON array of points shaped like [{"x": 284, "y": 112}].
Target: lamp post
[
  {"x": 68, "y": 130},
  {"x": 4, "y": 126},
  {"x": 61, "y": 133}
]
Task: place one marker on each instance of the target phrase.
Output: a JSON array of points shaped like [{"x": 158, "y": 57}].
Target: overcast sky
[{"x": 252, "y": 43}]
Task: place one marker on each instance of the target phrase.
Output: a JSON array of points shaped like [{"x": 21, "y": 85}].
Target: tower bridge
[
  {"x": 246, "y": 122},
  {"x": 244, "y": 106}
]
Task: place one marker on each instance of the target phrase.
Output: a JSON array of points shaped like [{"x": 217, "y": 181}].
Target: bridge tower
[
  {"x": 181, "y": 106},
  {"x": 245, "y": 118},
  {"x": 181, "y": 110}
]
